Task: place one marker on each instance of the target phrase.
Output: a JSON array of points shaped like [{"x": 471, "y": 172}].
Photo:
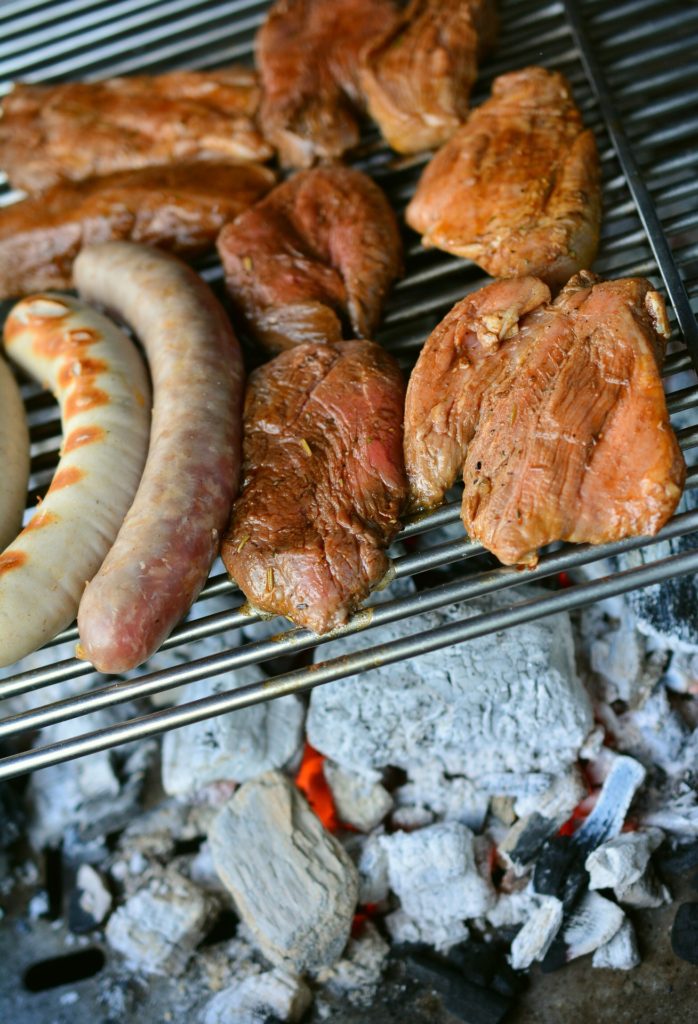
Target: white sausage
[
  {"x": 170, "y": 537},
  {"x": 102, "y": 387},
  {"x": 14, "y": 456}
]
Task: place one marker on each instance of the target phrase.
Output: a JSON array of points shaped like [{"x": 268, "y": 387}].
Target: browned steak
[
  {"x": 180, "y": 208},
  {"x": 324, "y": 481},
  {"x": 417, "y": 77},
  {"x": 553, "y": 412},
  {"x": 517, "y": 188},
  {"x": 323, "y": 245},
  {"x": 75, "y": 130},
  {"x": 308, "y": 56}
]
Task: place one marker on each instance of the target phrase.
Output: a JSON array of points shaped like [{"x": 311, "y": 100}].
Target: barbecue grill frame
[{"x": 644, "y": 232}]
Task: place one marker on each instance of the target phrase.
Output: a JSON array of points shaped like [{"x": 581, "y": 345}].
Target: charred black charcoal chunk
[
  {"x": 684, "y": 932},
  {"x": 12, "y": 819},
  {"x": 469, "y": 1002},
  {"x": 485, "y": 963}
]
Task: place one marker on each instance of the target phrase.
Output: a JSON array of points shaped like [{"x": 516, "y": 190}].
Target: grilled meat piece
[
  {"x": 517, "y": 188},
  {"x": 308, "y": 57},
  {"x": 322, "y": 244},
  {"x": 417, "y": 77},
  {"x": 177, "y": 208},
  {"x": 324, "y": 481},
  {"x": 553, "y": 412},
  {"x": 74, "y": 130}
]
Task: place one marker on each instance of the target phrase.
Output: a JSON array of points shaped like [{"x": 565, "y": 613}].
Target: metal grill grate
[{"x": 635, "y": 78}]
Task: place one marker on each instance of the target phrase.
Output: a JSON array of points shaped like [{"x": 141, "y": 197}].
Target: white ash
[
  {"x": 434, "y": 873},
  {"x": 540, "y": 819},
  {"x": 508, "y": 702},
  {"x": 452, "y": 798},
  {"x": 620, "y": 861},
  {"x": 515, "y": 908},
  {"x": 202, "y": 870},
  {"x": 158, "y": 927},
  {"x": 534, "y": 939},
  {"x": 95, "y": 794},
  {"x": 626, "y": 663},
  {"x": 594, "y": 923},
  {"x": 292, "y": 882},
  {"x": 620, "y": 953},
  {"x": 657, "y": 735},
  {"x": 647, "y": 892},
  {"x": 445, "y": 934},
  {"x": 274, "y": 993},
  {"x": 154, "y": 833},
  {"x": 236, "y": 746},
  {"x": 94, "y": 898},
  {"x": 38, "y": 905},
  {"x": 409, "y": 818},
  {"x": 681, "y": 674},
  {"x": 371, "y": 861},
  {"x": 357, "y": 975},
  {"x": 360, "y": 800}
]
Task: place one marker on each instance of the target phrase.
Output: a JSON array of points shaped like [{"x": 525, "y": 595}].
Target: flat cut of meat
[
  {"x": 324, "y": 481},
  {"x": 321, "y": 247},
  {"x": 75, "y": 130},
  {"x": 180, "y": 209},
  {"x": 553, "y": 413},
  {"x": 308, "y": 54},
  {"x": 517, "y": 188},
  {"x": 418, "y": 76}
]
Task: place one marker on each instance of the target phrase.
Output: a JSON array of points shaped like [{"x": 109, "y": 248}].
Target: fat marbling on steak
[
  {"x": 323, "y": 481},
  {"x": 74, "y": 130},
  {"x": 554, "y": 413},
  {"x": 308, "y": 53},
  {"x": 180, "y": 208},
  {"x": 417, "y": 76},
  {"x": 517, "y": 188},
  {"x": 323, "y": 245}
]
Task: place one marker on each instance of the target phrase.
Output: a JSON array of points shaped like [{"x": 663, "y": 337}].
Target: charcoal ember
[
  {"x": 12, "y": 817},
  {"x": 235, "y": 746},
  {"x": 592, "y": 923},
  {"x": 434, "y": 873},
  {"x": 154, "y": 834},
  {"x": 356, "y": 976},
  {"x": 159, "y": 926},
  {"x": 533, "y": 941},
  {"x": 293, "y": 884},
  {"x": 620, "y": 953},
  {"x": 509, "y": 702},
  {"x": 448, "y": 797},
  {"x": 276, "y": 993},
  {"x": 677, "y": 858},
  {"x": 360, "y": 800},
  {"x": 90, "y": 901},
  {"x": 542, "y": 817},
  {"x": 371, "y": 861},
  {"x": 681, "y": 673},
  {"x": 626, "y": 664},
  {"x": 623, "y": 860},
  {"x": 656, "y": 734},
  {"x": 485, "y": 964},
  {"x": 684, "y": 932},
  {"x": 468, "y": 1002},
  {"x": 513, "y": 909}
]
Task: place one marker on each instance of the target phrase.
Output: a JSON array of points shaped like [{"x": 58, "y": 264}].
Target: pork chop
[
  {"x": 180, "y": 208},
  {"x": 324, "y": 481},
  {"x": 417, "y": 77},
  {"x": 554, "y": 413},
  {"x": 517, "y": 188},
  {"x": 75, "y": 130},
  {"x": 307, "y": 53},
  {"x": 323, "y": 245}
]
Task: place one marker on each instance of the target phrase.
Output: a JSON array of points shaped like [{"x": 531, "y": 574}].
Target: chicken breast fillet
[
  {"x": 554, "y": 413},
  {"x": 323, "y": 481},
  {"x": 75, "y": 130},
  {"x": 417, "y": 77},
  {"x": 307, "y": 53},
  {"x": 322, "y": 247},
  {"x": 517, "y": 188}
]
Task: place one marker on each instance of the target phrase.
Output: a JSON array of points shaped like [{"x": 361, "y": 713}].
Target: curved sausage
[
  {"x": 14, "y": 456},
  {"x": 170, "y": 537},
  {"x": 102, "y": 387}
]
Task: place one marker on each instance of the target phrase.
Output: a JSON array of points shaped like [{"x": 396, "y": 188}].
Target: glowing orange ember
[
  {"x": 362, "y": 915},
  {"x": 311, "y": 781}
]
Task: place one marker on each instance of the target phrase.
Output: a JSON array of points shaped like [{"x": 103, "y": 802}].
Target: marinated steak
[
  {"x": 178, "y": 208},
  {"x": 74, "y": 130},
  {"x": 417, "y": 77},
  {"x": 308, "y": 56},
  {"x": 324, "y": 481},
  {"x": 323, "y": 244},
  {"x": 553, "y": 412},
  {"x": 517, "y": 188}
]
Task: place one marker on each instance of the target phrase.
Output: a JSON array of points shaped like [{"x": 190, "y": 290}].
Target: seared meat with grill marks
[
  {"x": 324, "y": 481},
  {"x": 177, "y": 208},
  {"x": 308, "y": 59},
  {"x": 417, "y": 77},
  {"x": 74, "y": 130},
  {"x": 517, "y": 188},
  {"x": 553, "y": 412},
  {"x": 322, "y": 244}
]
